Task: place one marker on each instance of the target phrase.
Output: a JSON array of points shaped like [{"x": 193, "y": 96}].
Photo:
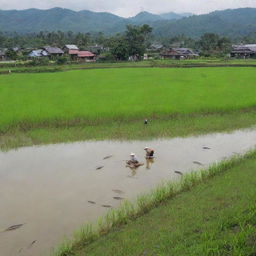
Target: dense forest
[{"x": 83, "y": 40}]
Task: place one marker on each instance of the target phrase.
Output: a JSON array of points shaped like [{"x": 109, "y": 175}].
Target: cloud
[{"x": 131, "y": 7}]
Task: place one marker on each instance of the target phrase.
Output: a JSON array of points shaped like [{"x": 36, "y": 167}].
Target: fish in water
[
  {"x": 107, "y": 157},
  {"x": 91, "y": 202},
  {"x": 13, "y": 227},
  {"x": 206, "y": 148},
  {"x": 118, "y": 198},
  {"x": 118, "y": 191},
  {"x": 198, "y": 163},
  {"x": 177, "y": 172},
  {"x": 99, "y": 167},
  {"x": 32, "y": 244},
  {"x": 106, "y": 206}
]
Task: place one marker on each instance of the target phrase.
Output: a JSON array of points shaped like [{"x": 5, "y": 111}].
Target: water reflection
[{"x": 149, "y": 162}]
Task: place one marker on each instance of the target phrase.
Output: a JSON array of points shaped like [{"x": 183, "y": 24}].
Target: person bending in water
[
  {"x": 133, "y": 162},
  {"x": 149, "y": 152},
  {"x": 133, "y": 159}
]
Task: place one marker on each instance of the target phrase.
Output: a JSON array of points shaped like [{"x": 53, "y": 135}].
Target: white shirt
[{"x": 134, "y": 158}]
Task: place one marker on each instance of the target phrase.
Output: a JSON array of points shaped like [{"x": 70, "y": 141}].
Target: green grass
[
  {"x": 103, "y": 96},
  {"x": 183, "y": 126},
  {"x": 23, "y": 67},
  {"x": 98, "y": 104},
  {"x": 211, "y": 212}
]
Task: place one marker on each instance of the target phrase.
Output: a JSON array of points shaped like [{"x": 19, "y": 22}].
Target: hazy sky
[{"x": 128, "y": 8}]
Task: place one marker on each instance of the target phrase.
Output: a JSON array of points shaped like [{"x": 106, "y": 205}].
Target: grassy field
[
  {"x": 115, "y": 103},
  {"x": 211, "y": 213},
  {"x": 183, "y": 126},
  {"x": 24, "y": 67}
]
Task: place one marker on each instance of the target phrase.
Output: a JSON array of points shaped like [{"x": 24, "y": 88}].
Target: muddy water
[{"x": 48, "y": 188}]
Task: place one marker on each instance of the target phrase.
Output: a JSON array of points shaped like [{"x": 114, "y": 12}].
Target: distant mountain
[
  {"x": 144, "y": 17},
  {"x": 233, "y": 23},
  {"x": 174, "y": 16},
  {"x": 34, "y": 20}
]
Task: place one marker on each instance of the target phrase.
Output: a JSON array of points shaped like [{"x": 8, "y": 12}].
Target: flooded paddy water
[{"x": 47, "y": 192}]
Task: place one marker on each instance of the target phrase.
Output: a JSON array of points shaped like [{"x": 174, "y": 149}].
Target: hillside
[
  {"x": 35, "y": 20},
  {"x": 149, "y": 18},
  {"x": 233, "y": 23}
]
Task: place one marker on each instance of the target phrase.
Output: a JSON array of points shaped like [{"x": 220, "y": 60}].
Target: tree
[
  {"x": 11, "y": 54},
  {"x": 120, "y": 48},
  {"x": 136, "y": 37},
  {"x": 211, "y": 44}
]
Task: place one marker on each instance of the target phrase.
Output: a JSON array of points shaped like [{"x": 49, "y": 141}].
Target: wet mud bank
[{"x": 47, "y": 192}]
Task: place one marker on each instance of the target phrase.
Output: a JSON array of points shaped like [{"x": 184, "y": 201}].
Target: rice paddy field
[
  {"x": 212, "y": 212},
  {"x": 118, "y": 100}
]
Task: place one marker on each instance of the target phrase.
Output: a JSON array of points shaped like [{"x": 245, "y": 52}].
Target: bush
[
  {"x": 62, "y": 60},
  {"x": 39, "y": 62},
  {"x": 107, "y": 57}
]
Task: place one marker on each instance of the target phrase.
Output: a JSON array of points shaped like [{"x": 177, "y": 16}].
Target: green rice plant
[
  {"x": 85, "y": 235},
  {"x": 122, "y": 215},
  {"x": 145, "y": 202},
  {"x": 68, "y": 99},
  {"x": 65, "y": 249}
]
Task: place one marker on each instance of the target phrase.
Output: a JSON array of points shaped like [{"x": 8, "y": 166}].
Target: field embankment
[
  {"x": 26, "y": 67},
  {"x": 214, "y": 215},
  {"x": 74, "y": 105}
]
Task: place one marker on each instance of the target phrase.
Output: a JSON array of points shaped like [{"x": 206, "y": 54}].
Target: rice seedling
[{"x": 80, "y": 97}]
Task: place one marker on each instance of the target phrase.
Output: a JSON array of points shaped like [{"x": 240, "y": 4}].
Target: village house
[
  {"x": 53, "y": 52},
  {"x": 153, "y": 51},
  {"x": 38, "y": 53},
  {"x": 71, "y": 50},
  {"x": 70, "y": 47},
  {"x": 243, "y": 51},
  {"x": 179, "y": 53},
  {"x": 155, "y": 47},
  {"x": 86, "y": 56}
]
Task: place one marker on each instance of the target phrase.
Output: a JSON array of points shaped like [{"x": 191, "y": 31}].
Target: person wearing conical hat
[{"x": 149, "y": 152}]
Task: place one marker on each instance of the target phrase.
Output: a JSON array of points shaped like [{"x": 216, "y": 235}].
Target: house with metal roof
[
  {"x": 38, "y": 53},
  {"x": 71, "y": 47},
  {"x": 53, "y": 51},
  {"x": 156, "y": 47},
  {"x": 71, "y": 50},
  {"x": 243, "y": 51},
  {"x": 179, "y": 53}
]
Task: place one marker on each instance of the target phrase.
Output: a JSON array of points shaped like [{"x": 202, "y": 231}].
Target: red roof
[
  {"x": 71, "y": 52},
  {"x": 83, "y": 54}
]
